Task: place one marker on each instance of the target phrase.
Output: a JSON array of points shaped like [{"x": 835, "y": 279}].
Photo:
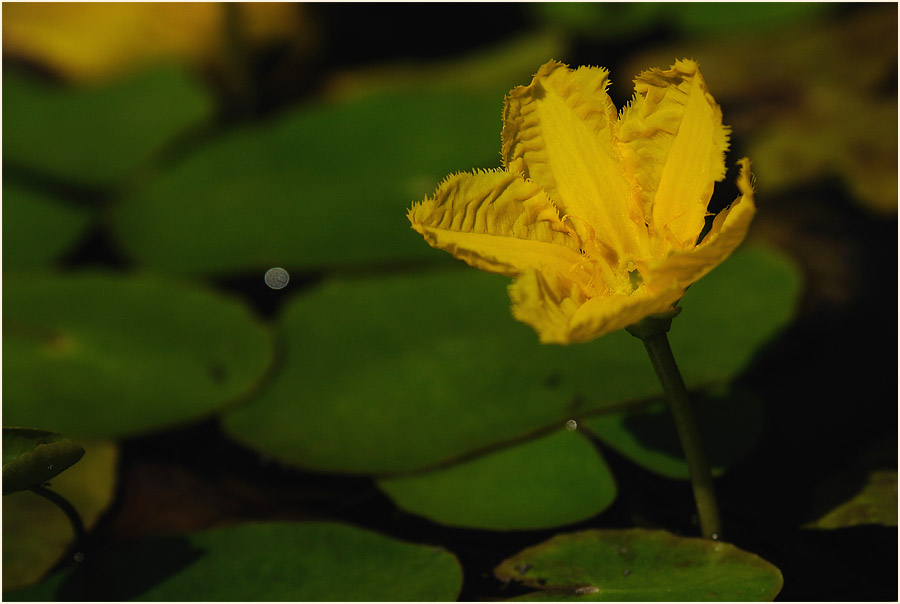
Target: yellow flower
[{"x": 597, "y": 216}]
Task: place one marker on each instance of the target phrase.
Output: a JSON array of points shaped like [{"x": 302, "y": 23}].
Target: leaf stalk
[{"x": 69, "y": 510}]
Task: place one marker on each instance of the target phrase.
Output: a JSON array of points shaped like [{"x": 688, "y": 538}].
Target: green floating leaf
[
  {"x": 323, "y": 186},
  {"x": 618, "y": 20},
  {"x": 36, "y": 532},
  {"x": 393, "y": 374},
  {"x": 96, "y": 136},
  {"x": 101, "y": 355},
  {"x": 499, "y": 69},
  {"x": 550, "y": 481},
  {"x": 609, "y": 20},
  {"x": 31, "y": 457},
  {"x": 874, "y": 503},
  {"x": 266, "y": 562},
  {"x": 716, "y": 17},
  {"x": 492, "y": 71},
  {"x": 37, "y": 228},
  {"x": 728, "y": 315},
  {"x": 730, "y": 423},
  {"x": 640, "y": 565}
]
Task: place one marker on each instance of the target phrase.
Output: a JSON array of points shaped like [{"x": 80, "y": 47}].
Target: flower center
[
  {"x": 623, "y": 282},
  {"x": 635, "y": 278}
]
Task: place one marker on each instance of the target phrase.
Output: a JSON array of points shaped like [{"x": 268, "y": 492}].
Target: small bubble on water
[
  {"x": 571, "y": 425},
  {"x": 79, "y": 557},
  {"x": 277, "y": 277},
  {"x": 715, "y": 536}
]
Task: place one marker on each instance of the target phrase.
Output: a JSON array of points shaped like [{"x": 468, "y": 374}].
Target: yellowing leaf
[{"x": 95, "y": 40}]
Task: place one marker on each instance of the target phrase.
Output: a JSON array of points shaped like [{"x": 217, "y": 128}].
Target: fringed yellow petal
[
  {"x": 673, "y": 148},
  {"x": 606, "y": 314},
  {"x": 497, "y": 222},
  {"x": 597, "y": 218},
  {"x": 547, "y": 303},
  {"x": 557, "y": 132},
  {"x": 728, "y": 231}
]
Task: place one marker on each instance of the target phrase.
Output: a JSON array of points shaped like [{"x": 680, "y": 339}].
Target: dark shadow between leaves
[
  {"x": 730, "y": 424},
  {"x": 126, "y": 572}
]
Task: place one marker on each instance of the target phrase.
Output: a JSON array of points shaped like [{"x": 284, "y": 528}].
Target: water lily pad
[
  {"x": 393, "y": 374},
  {"x": 728, "y": 315},
  {"x": 103, "y": 355},
  {"x": 730, "y": 424},
  {"x": 31, "y": 457},
  {"x": 324, "y": 185},
  {"x": 641, "y": 565},
  {"x": 96, "y": 136},
  {"x": 37, "y": 227},
  {"x": 714, "y": 17},
  {"x": 874, "y": 503},
  {"x": 494, "y": 70},
  {"x": 617, "y": 20},
  {"x": 613, "y": 20},
  {"x": 552, "y": 480},
  {"x": 36, "y": 532},
  {"x": 268, "y": 562}
]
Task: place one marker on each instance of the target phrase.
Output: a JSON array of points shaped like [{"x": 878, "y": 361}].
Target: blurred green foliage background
[{"x": 159, "y": 158}]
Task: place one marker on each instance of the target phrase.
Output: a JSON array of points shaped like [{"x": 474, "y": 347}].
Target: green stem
[
  {"x": 660, "y": 353},
  {"x": 68, "y": 508},
  {"x": 652, "y": 332}
]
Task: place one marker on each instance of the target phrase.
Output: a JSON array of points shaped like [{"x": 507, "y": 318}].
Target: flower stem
[
  {"x": 66, "y": 507},
  {"x": 652, "y": 331}
]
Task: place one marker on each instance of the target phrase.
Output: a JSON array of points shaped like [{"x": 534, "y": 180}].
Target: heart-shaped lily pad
[
  {"x": 328, "y": 184},
  {"x": 36, "y": 532},
  {"x": 292, "y": 562},
  {"x": 31, "y": 457},
  {"x": 640, "y": 565},
  {"x": 325, "y": 185},
  {"x": 730, "y": 423},
  {"x": 96, "y": 136},
  {"x": 101, "y": 355},
  {"x": 552, "y": 480},
  {"x": 392, "y": 374},
  {"x": 37, "y": 227}
]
